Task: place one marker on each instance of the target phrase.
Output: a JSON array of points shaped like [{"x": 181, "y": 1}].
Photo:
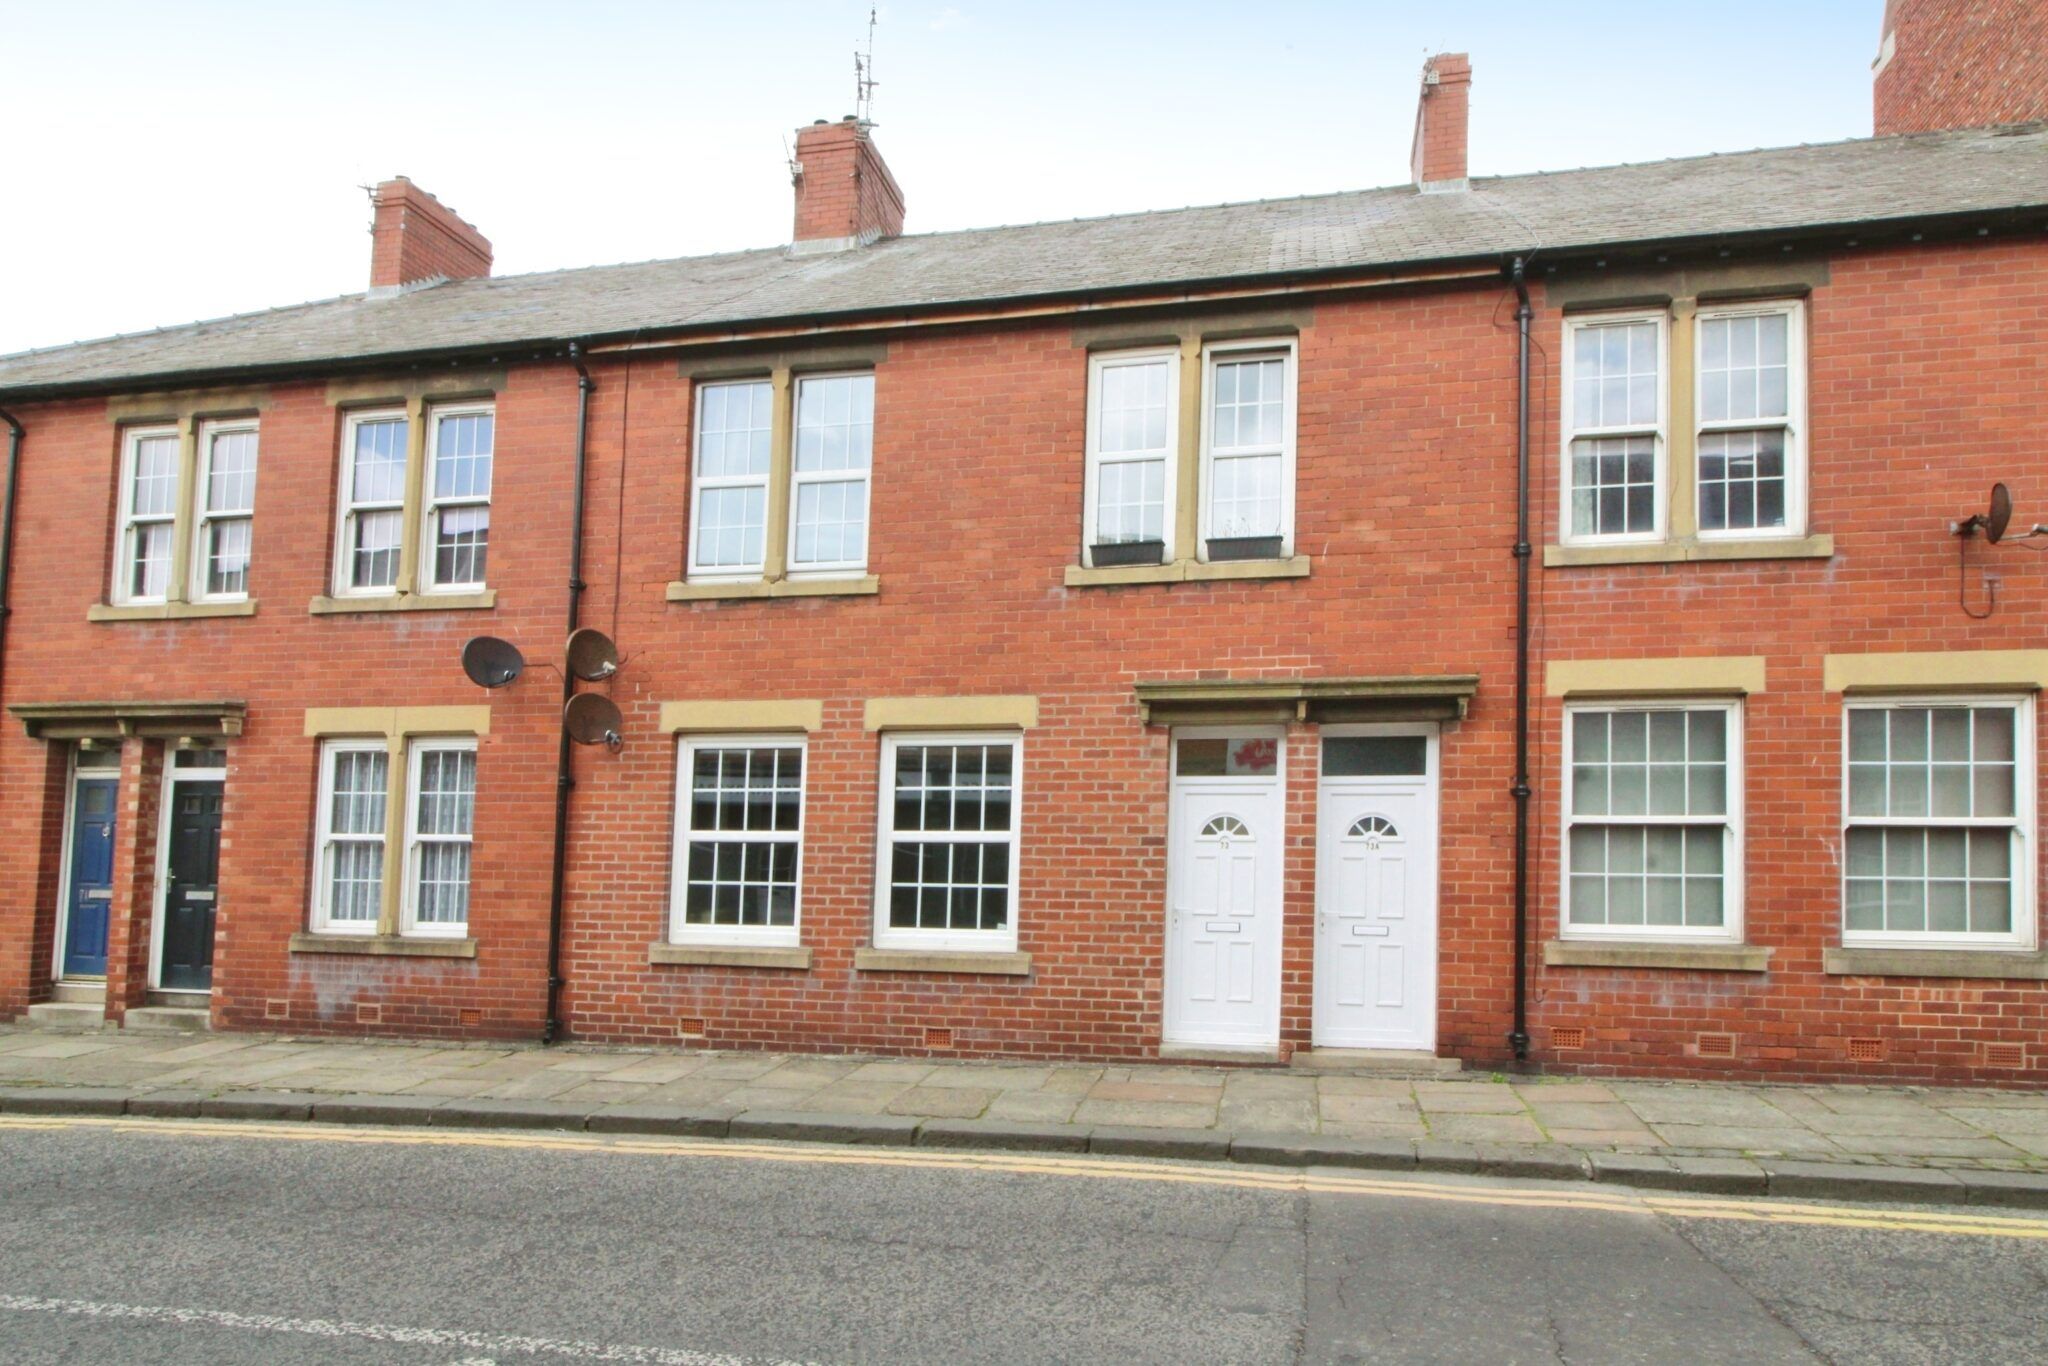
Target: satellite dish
[
  {"x": 491, "y": 662},
  {"x": 593, "y": 719},
  {"x": 2000, "y": 515},
  {"x": 592, "y": 656}
]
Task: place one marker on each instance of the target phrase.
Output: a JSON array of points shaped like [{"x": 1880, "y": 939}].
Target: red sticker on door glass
[{"x": 1255, "y": 757}]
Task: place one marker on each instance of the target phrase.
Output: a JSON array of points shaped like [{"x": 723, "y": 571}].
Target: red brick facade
[
  {"x": 1960, "y": 64},
  {"x": 1925, "y": 384}
]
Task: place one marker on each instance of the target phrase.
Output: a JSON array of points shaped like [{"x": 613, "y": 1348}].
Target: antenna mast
[{"x": 864, "y": 76}]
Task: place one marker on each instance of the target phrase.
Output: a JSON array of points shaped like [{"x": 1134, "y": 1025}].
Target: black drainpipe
[
  {"x": 563, "y": 780},
  {"x": 15, "y": 433},
  {"x": 1518, "y": 1038}
]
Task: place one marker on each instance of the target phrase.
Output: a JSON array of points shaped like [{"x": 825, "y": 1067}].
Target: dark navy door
[
  {"x": 92, "y": 878},
  {"x": 193, "y": 883}
]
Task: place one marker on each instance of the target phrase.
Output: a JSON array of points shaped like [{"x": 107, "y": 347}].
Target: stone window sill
[
  {"x": 406, "y": 602},
  {"x": 866, "y": 585},
  {"x": 1687, "y": 551},
  {"x": 1988, "y": 964},
  {"x": 922, "y": 960},
  {"x": 169, "y": 611},
  {"x": 383, "y": 946},
  {"x": 1581, "y": 953},
  {"x": 730, "y": 956},
  {"x": 1186, "y": 571}
]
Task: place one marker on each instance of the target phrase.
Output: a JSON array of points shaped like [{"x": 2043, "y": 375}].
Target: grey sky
[{"x": 169, "y": 163}]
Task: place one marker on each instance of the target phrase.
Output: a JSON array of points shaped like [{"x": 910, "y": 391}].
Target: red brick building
[{"x": 1092, "y": 639}]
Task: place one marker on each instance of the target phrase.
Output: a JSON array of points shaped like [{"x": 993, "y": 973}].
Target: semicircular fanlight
[
  {"x": 1224, "y": 827},
  {"x": 1372, "y": 827}
]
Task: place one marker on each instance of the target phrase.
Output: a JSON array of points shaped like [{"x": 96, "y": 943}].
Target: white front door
[
  {"x": 1223, "y": 890},
  {"x": 1376, "y": 951}
]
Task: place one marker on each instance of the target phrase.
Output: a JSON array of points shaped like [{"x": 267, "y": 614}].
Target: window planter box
[
  {"x": 1127, "y": 552},
  {"x": 1243, "y": 548}
]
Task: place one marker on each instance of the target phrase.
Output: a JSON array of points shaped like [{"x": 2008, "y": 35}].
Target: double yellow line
[{"x": 1586, "y": 1199}]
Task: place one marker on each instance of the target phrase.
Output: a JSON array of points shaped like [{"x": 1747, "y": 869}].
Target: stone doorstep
[
  {"x": 1533, "y": 1161},
  {"x": 67, "y": 1017}
]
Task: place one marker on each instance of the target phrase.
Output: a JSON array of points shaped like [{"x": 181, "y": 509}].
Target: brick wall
[
  {"x": 1925, "y": 385},
  {"x": 976, "y": 509},
  {"x": 1925, "y": 388},
  {"x": 281, "y": 661},
  {"x": 1961, "y": 64}
]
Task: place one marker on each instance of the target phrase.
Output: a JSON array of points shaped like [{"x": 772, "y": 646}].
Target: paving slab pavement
[{"x": 1693, "y": 1134}]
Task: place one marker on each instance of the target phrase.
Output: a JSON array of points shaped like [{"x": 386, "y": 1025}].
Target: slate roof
[{"x": 1866, "y": 181}]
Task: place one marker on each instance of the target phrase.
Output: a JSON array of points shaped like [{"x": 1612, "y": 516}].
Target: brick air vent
[
  {"x": 1715, "y": 1046},
  {"x": 938, "y": 1038},
  {"x": 690, "y": 1027},
  {"x": 369, "y": 1014},
  {"x": 2005, "y": 1055},
  {"x": 1568, "y": 1036},
  {"x": 1866, "y": 1050},
  {"x": 472, "y": 1018},
  {"x": 276, "y": 1008}
]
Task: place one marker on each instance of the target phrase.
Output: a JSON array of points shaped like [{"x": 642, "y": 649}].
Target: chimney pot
[
  {"x": 1442, "y": 116},
  {"x": 415, "y": 238}
]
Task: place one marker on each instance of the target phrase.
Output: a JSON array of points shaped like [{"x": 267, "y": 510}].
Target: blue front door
[{"x": 92, "y": 878}]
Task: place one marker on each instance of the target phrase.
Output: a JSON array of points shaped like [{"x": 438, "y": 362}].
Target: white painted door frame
[
  {"x": 1261, "y": 800},
  {"x": 73, "y": 775},
  {"x": 173, "y": 775},
  {"x": 1413, "y": 804}
]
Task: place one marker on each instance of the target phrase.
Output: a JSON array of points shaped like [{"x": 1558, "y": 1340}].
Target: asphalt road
[{"x": 190, "y": 1242}]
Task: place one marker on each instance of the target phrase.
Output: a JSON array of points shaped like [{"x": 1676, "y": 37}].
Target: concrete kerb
[{"x": 1849, "y": 1183}]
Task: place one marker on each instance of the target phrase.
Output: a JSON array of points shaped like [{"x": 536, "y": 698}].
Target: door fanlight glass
[
  {"x": 1372, "y": 829},
  {"x": 1225, "y": 828}
]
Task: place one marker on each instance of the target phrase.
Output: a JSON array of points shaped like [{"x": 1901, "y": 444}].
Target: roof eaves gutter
[
  {"x": 1858, "y": 232},
  {"x": 493, "y": 353}
]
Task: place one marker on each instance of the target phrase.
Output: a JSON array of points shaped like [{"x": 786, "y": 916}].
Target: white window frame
[
  {"x": 798, "y": 479},
  {"x": 324, "y": 836},
  {"x": 2025, "y": 917},
  {"x": 416, "y": 749},
  {"x": 1794, "y": 311},
  {"x": 751, "y": 936},
  {"x": 203, "y": 517},
  {"x": 1213, "y": 354},
  {"x": 432, "y": 503},
  {"x": 965, "y": 941},
  {"x": 1733, "y": 871},
  {"x": 127, "y": 522},
  {"x": 346, "y": 509},
  {"x": 1097, "y": 364},
  {"x": 1660, "y": 444},
  {"x": 699, "y": 483}
]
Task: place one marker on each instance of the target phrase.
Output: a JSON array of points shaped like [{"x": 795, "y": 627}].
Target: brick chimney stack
[
  {"x": 845, "y": 196},
  {"x": 1442, "y": 113},
  {"x": 416, "y": 239},
  {"x": 1960, "y": 64}
]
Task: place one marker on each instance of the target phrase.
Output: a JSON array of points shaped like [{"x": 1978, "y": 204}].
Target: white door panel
[
  {"x": 1223, "y": 921},
  {"x": 1376, "y": 943}
]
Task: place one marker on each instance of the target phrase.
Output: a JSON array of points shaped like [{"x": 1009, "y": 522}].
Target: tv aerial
[{"x": 491, "y": 662}]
